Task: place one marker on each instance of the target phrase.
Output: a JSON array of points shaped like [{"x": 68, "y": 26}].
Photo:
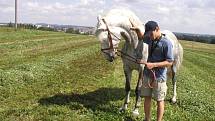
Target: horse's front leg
[
  {"x": 128, "y": 74},
  {"x": 138, "y": 94}
]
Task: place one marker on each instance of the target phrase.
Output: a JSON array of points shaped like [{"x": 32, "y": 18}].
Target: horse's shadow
[{"x": 95, "y": 100}]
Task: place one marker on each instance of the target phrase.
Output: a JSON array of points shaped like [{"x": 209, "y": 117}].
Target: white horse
[{"x": 114, "y": 26}]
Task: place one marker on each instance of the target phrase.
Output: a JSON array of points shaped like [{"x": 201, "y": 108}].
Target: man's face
[{"x": 152, "y": 35}]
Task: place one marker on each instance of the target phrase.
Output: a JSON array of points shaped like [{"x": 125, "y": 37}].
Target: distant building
[
  {"x": 3, "y": 24},
  {"x": 61, "y": 28},
  {"x": 38, "y": 26},
  {"x": 42, "y": 25}
]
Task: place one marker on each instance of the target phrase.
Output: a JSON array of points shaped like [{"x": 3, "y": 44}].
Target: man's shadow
[{"x": 91, "y": 100}]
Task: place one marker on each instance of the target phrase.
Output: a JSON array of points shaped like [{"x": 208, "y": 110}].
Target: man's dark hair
[{"x": 150, "y": 26}]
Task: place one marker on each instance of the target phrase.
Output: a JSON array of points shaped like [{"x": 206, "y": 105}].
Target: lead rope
[
  {"x": 151, "y": 82},
  {"x": 152, "y": 75}
]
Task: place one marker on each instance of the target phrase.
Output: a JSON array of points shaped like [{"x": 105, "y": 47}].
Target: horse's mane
[{"x": 122, "y": 18}]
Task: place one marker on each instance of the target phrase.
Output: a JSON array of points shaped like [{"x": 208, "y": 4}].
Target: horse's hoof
[
  {"x": 122, "y": 109},
  {"x": 135, "y": 113},
  {"x": 173, "y": 100}
]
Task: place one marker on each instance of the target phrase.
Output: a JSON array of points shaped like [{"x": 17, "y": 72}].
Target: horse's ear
[
  {"x": 100, "y": 25},
  {"x": 99, "y": 17}
]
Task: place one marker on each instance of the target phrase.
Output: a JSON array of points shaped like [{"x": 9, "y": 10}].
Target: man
[{"x": 160, "y": 57}]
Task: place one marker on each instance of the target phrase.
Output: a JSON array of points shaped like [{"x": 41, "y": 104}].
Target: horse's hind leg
[
  {"x": 138, "y": 94},
  {"x": 128, "y": 74},
  {"x": 174, "y": 83}
]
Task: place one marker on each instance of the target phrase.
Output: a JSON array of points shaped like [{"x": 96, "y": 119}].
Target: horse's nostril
[{"x": 111, "y": 60}]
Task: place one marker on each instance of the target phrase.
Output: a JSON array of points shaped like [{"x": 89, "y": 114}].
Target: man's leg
[
  {"x": 147, "y": 107},
  {"x": 160, "y": 94},
  {"x": 160, "y": 110}
]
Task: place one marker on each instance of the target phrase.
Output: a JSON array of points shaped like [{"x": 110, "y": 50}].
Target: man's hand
[
  {"x": 150, "y": 65},
  {"x": 139, "y": 61}
]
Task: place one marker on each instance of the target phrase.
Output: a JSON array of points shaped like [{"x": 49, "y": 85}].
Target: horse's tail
[{"x": 180, "y": 56}]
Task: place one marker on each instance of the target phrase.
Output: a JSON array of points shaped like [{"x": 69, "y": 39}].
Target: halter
[{"x": 110, "y": 40}]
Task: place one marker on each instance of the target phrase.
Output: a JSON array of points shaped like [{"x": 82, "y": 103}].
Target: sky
[{"x": 187, "y": 16}]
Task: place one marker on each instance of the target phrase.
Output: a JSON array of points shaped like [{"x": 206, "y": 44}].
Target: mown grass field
[{"x": 58, "y": 76}]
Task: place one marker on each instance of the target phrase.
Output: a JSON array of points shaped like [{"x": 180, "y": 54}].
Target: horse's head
[{"x": 109, "y": 37}]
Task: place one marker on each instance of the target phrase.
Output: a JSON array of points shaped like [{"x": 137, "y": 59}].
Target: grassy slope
[{"x": 58, "y": 76}]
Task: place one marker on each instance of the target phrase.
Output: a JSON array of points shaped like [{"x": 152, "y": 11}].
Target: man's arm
[
  {"x": 158, "y": 64},
  {"x": 155, "y": 64}
]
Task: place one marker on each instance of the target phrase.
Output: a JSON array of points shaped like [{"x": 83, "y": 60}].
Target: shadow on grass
[{"x": 96, "y": 100}]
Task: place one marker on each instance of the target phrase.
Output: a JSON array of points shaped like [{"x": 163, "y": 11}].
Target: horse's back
[
  {"x": 123, "y": 17},
  {"x": 171, "y": 37}
]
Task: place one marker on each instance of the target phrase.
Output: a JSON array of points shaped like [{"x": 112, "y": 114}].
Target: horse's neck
[
  {"x": 128, "y": 47},
  {"x": 131, "y": 40}
]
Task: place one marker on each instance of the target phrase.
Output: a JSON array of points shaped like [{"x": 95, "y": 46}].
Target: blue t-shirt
[{"x": 159, "y": 51}]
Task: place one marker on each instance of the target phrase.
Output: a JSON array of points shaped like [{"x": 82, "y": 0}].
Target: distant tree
[
  {"x": 46, "y": 29},
  {"x": 86, "y": 33},
  {"x": 31, "y": 26},
  {"x": 77, "y": 31},
  {"x": 212, "y": 41},
  {"x": 70, "y": 30},
  {"x": 73, "y": 31},
  {"x": 10, "y": 24}
]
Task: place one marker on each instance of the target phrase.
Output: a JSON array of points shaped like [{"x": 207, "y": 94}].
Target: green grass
[{"x": 58, "y": 76}]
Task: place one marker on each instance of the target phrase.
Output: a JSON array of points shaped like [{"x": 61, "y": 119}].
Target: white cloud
[
  {"x": 177, "y": 15},
  {"x": 7, "y": 10},
  {"x": 6, "y": 6}
]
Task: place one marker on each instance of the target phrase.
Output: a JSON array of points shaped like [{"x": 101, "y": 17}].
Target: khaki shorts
[{"x": 158, "y": 92}]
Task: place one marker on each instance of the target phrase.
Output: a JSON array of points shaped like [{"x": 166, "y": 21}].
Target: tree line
[
  {"x": 210, "y": 39},
  {"x": 182, "y": 36}
]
